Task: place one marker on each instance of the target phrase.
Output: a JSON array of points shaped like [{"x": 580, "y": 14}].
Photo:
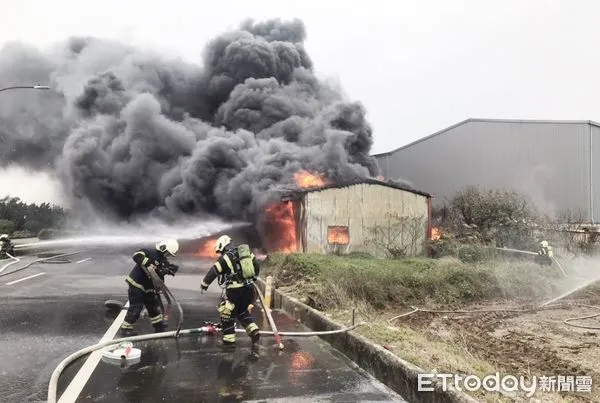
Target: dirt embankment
[{"x": 535, "y": 343}]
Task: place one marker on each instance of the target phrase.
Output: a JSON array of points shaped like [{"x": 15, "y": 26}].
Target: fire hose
[
  {"x": 269, "y": 318},
  {"x": 53, "y": 383},
  {"x": 538, "y": 308},
  {"x": 15, "y": 260},
  {"x": 37, "y": 261},
  {"x": 161, "y": 286}
]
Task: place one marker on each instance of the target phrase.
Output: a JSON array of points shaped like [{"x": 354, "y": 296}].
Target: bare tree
[{"x": 400, "y": 236}]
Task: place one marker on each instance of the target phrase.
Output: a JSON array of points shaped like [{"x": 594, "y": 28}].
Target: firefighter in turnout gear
[
  {"x": 6, "y": 246},
  {"x": 142, "y": 290},
  {"x": 237, "y": 268},
  {"x": 545, "y": 254}
]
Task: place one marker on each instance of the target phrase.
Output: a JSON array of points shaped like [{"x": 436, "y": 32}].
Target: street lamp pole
[{"x": 31, "y": 87}]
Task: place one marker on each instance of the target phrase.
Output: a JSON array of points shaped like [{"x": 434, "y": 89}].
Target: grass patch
[
  {"x": 380, "y": 289},
  {"x": 328, "y": 282}
]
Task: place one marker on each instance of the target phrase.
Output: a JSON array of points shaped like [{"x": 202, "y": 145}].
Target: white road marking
[
  {"x": 83, "y": 260},
  {"x": 24, "y": 278},
  {"x": 72, "y": 392}
]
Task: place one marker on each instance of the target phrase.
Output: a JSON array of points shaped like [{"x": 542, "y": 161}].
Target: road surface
[{"x": 51, "y": 310}]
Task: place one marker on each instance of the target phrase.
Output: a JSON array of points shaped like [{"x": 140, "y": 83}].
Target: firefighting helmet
[
  {"x": 544, "y": 244},
  {"x": 4, "y": 237},
  {"x": 222, "y": 243},
  {"x": 170, "y": 246}
]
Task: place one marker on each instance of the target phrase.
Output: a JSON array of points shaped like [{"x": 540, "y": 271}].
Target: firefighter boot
[
  {"x": 128, "y": 332},
  {"x": 160, "y": 327},
  {"x": 253, "y": 332}
]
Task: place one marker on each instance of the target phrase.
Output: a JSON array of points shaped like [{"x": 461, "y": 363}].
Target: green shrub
[
  {"x": 23, "y": 234},
  {"x": 334, "y": 282},
  {"x": 6, "y": 226},
  {"x": 49, "y": 233}
]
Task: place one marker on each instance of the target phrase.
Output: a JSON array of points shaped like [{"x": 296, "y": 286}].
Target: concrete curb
[{"x": 396, "y": 373}]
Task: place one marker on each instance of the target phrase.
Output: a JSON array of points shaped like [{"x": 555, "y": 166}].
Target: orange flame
[
  {"x": 435, "y": 234},
  {"x": 338, "y": 235},
  {"x": 305, "y": 179},
  {"x": 281, "y": 234},
  {"x": 207, "y": 249}
]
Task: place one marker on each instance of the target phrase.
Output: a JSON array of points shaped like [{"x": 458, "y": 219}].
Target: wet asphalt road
[{"x": 46, "y": 317}]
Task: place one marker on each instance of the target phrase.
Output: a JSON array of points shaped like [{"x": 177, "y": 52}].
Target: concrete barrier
[{"x": 396, "y": 373}]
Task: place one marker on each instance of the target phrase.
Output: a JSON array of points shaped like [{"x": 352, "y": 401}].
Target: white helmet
[
  {"x": 222, "y": 242},
  {"x": 169, "y": 245},
  {"x": 3, "y": 237},
  {"x": 544, "y": 244}
]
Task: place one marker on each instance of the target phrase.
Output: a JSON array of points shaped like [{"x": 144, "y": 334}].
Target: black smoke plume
[{"x": 132, "y": 134}]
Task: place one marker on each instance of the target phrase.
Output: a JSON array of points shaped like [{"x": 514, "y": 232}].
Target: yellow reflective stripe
[
  {"x": 145, "y": 261},
  {"x": 228, "y": 261},
  {"x": 136, "y": 285},
  {"x": 204, "y": 284},
  {"x": 218, "y": 266},
  {"x": 251, "y": 327},
  {"x": 235, "y": 284},
  {"x": 229, "y": 337},
  {"x": 126, "y": 325},
  {"x": 156, "y": 319}
]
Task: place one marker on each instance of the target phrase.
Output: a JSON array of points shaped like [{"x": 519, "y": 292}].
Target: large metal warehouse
[
  {"x": 553, "y": 162},
  {"x": 340, "y": 219}
]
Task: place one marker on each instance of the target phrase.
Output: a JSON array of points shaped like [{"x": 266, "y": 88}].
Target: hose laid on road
[
  {"x": 53, "y": 383},
  {"x": 15, "y": 260},
  {"x": 40, "y": 260}
]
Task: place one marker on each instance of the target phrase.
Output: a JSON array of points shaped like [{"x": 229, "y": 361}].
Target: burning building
[{"x": 323, "y": 217}]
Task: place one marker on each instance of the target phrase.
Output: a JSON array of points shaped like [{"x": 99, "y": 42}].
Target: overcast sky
[{"x": 418, "y": 66}]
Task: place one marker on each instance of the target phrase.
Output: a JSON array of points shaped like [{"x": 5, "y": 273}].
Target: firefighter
[
  {"x": 142, "y": 290},
  {"x": 6, "y": 246},
  {"x": 545, "y": 254},
  {"x": 237, "y": 268}
]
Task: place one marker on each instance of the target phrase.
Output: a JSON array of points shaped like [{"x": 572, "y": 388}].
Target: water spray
[
  {"x": 566, "y": 294},
  {"x": 526, "y": 252}
]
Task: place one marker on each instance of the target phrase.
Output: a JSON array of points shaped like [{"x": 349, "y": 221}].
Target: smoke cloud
[{"x": 132, "y": 134}]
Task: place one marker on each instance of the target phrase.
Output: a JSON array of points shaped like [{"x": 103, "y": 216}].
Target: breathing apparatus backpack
[{"x": 245, "y": 262}]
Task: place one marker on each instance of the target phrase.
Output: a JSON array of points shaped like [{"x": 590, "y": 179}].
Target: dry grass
[{"x": 381, "y": 289}]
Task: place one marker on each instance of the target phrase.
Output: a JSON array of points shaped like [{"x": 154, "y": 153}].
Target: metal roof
[
  {"x": 370, "y": 181},
  {"x": 588, "y": 122}
]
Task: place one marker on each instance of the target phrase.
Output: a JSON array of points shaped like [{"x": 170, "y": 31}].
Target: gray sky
[{"x": 418, "y": 66}]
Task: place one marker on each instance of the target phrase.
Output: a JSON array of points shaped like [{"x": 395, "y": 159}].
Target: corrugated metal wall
[
  {"x": 359, "y": 207},
  {"x": 549, "y": 161}
]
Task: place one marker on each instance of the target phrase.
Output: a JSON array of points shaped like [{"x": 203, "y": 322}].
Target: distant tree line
[{"x": 23, "y": 220}]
